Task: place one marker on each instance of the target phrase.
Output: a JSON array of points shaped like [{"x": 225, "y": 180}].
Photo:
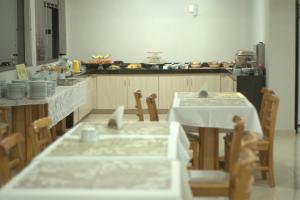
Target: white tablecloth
[
  {"x": 96, "y": 179},
  {"x": 135, "y": 139},
  {"x": 215, "y": 111},
  {"x": 143, "y": 160}
]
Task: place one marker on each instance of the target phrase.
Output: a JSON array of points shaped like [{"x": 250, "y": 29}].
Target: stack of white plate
[
  {"x": 24, "y": 82},
  {"x": 51, "y": 88},
  {"x": 38, "y": 89},
  {"x": 16, "y": 90}
]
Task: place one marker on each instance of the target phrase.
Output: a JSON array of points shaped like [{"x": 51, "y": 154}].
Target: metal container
[
  {"x": 260, "y": 54},
  {"x": 245, "y": 59}
]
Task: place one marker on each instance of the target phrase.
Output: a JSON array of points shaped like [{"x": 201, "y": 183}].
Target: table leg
[
  {"x": 18, "y": 125},
  {"x": 21, "y": 123},
  {"x": 209, "y": 148},
  {"x": 18, "y": 119},
  {"x": 41, "y": 111},
  {"x": 53, "y": 133},
  {"x": 64, "y": 125},
  {"x": 29, "y": 131}
]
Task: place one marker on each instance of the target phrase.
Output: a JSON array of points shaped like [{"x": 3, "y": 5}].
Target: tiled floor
[{"x": 287, "y": 165}]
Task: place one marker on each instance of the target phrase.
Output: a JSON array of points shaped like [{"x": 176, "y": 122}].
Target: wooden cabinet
[
  {"x": 169, "y": 84},
  {"x": 76, "y": 116},
  {"x": 90, "y": 100},
  {"x": 235, "y": 86},
  {"x": 148, "y": 84},
  {"x": 111, "y": 91},
  {"x": 116, "y": 90},
  {"x": 227, "y": 84},
  {"x": 210, "y": 82}
]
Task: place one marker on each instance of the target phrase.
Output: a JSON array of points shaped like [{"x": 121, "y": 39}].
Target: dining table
[
  {"x": 210, "y": 113},
  {"x": 141, "y": 160}
]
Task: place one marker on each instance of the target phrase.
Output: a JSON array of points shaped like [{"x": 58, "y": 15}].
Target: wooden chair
[
  {"x": 139, "y": 109},
  {"x": 152, "y": 109},
  {"x": 266, "y": 144},
  {"x": 241, "y": 179},
  {"x": 41, "y": 137},
  {"x": 194, "y": 140},
  {"x": 214, "y": 182},
  {"x": 11, "y": 157},
  {"x": 268, "y": 115},
  {"x": 264, "y": 92}
]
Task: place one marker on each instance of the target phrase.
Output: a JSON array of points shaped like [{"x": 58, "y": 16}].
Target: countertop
[
  {"x": 159, "y": 71},
  {"x": 221, "y": 70}
]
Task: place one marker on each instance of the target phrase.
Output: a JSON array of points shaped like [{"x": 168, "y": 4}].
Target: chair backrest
[
  {"x": 242, "y": 175},
  {"x": 269, "y": 113},
  {"x": 139, "y": 110},
  {"x": 11, "y": 156},
  {"x": 250, "y": 141},
  {"x": 41, "y": 137},
  {"x": 264, "y": 92},
  {"x": 236, "y": 141},
  {"x": 152, "y": 109}
]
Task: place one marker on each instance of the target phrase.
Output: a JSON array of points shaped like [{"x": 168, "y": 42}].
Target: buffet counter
[{"x": 24, "y": 111}]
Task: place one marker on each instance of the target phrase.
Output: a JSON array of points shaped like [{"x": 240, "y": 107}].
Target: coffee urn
[{"x": 260, "y": 55}]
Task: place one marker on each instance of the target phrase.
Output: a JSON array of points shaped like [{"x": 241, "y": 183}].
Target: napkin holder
[
  {"x": 116, "y": 120},
  {"x": 203, "y": 94}
]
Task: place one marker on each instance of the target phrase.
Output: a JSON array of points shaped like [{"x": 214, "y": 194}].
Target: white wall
[
  {"x": 280, "y": 57},
  {"x": 8, "y": 30},
  {"x": 259, "y": 21},
  {"x": 129, "y": 28}
]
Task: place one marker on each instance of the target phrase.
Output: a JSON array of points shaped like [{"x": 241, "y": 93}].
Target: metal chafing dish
[{"x": 245, "y": 59}]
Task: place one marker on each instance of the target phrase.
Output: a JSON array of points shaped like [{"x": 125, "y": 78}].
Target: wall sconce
[{"x": 193, "y": 9}]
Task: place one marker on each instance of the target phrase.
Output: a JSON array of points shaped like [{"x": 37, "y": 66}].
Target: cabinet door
[
  {"x": 76, "y": 116},
  {"x": 227, "y": 84},
  {"x": 93, "y": 93},
  {"x": 90, "y": 98},
  {"x": 148, "y": 84},
  {"x": 111, "y": 91},
  {"x": 234, "y": 86},
  {"x": 168, "y": 85},
  {"x": 211, "y": 82}
]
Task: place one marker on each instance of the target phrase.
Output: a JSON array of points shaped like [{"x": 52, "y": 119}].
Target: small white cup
[{"x": 89, "y": 135}]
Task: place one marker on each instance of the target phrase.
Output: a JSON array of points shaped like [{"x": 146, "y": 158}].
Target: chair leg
[
  {"x": 226, "y": 155},
  {"x": 53, "y": 133},
  {"x": 195, "y": 148},
  {"x": 263, "y": 157},
  {"x": 271, "y": 178}
]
